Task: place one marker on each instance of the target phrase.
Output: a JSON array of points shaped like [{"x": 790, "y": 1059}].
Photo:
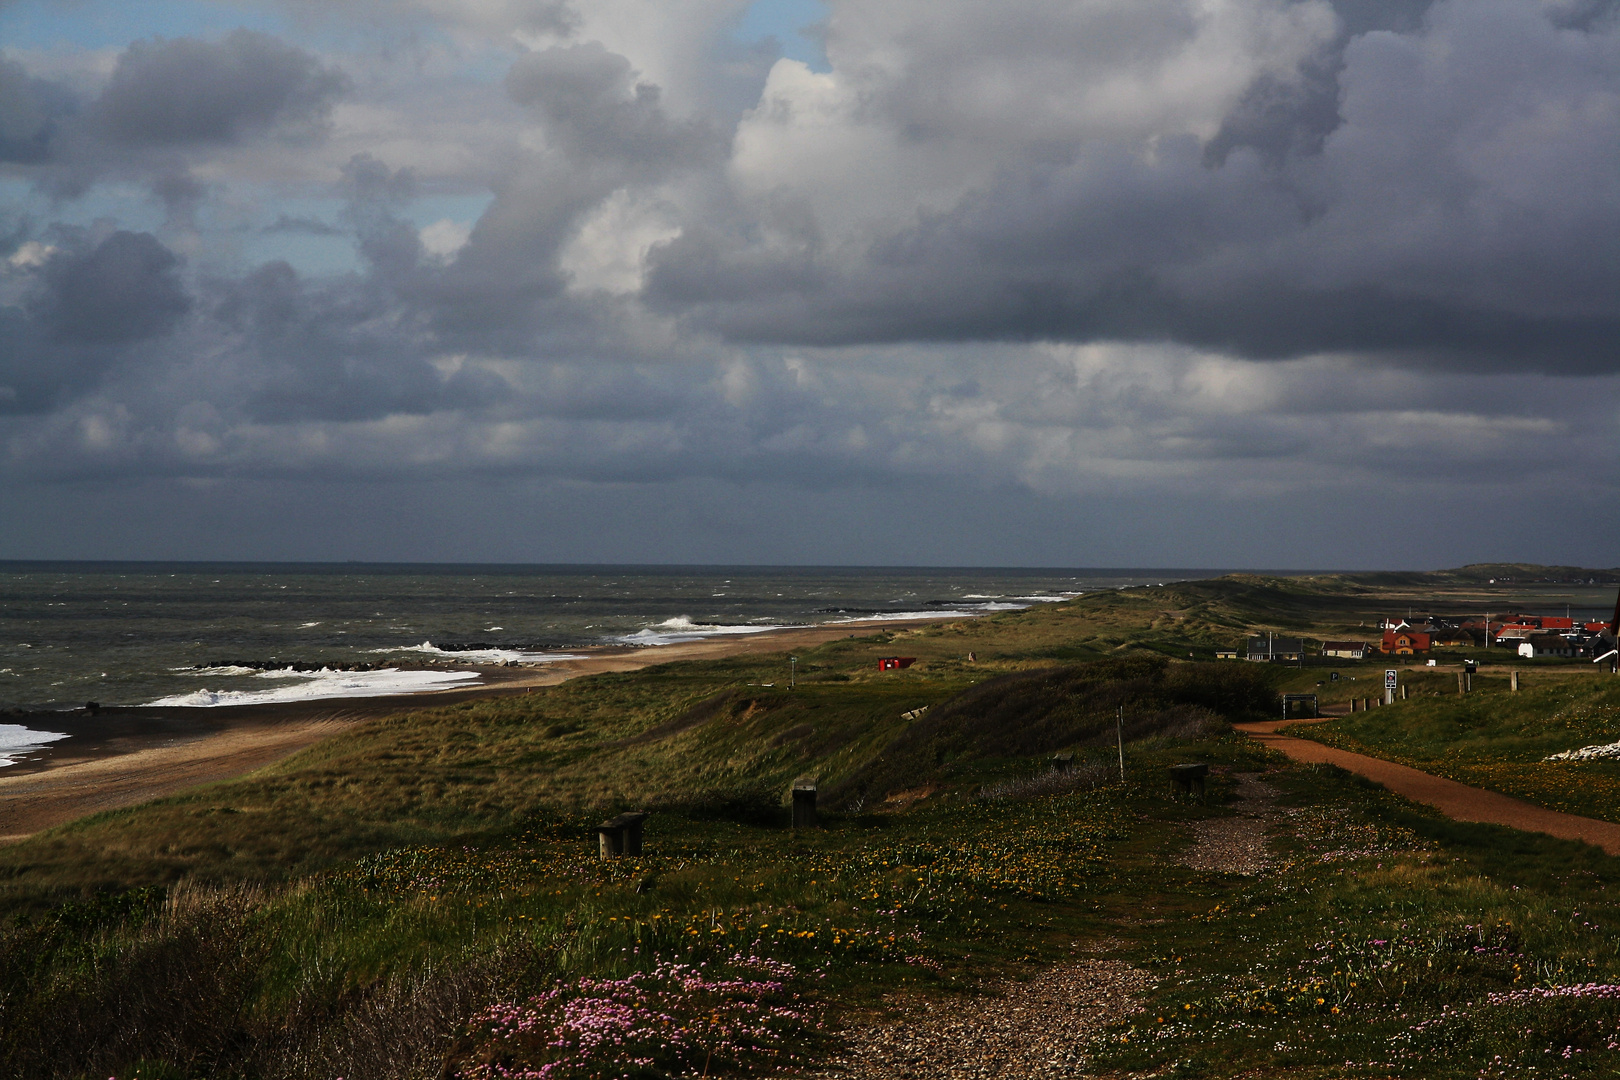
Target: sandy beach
[{"x": 124, "y": 756}]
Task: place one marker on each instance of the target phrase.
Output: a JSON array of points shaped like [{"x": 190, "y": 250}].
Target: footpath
[{"x": 1457, "y": 801}]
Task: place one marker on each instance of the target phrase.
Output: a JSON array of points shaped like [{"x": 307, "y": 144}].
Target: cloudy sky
[{"x": 1262, "y": 283}]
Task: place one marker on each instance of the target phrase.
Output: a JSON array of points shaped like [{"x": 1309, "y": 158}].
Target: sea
[{"x": 205, "y": 635}]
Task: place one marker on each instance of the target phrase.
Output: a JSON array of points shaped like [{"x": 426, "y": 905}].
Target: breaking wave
[{"x": 326, "y": 683}]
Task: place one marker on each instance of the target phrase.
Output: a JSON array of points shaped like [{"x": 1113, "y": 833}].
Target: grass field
[{"x": 420, "y": 896}]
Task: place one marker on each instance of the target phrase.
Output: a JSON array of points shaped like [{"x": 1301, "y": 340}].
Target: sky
[{"x": 1221, "y": 283}]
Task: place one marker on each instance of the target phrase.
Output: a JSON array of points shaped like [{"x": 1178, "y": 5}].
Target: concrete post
[
  {"x": 1403, "y": 691},
  {"x": 1513, "y": 681}
]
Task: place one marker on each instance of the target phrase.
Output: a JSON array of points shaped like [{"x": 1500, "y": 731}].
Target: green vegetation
[
  {"x": 1392, "y": 943},
  {"x": 420, "y": 896}
]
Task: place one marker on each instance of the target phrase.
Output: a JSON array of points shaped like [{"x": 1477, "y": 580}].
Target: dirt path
[
  {"x": 1457, "y": 801},
  {"x": 1037, "y": 1029}
]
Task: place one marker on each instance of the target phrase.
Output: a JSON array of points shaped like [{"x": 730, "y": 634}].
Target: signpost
[{"x": 1389, "y": 686}]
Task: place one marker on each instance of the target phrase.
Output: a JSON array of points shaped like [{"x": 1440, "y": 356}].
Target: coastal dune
[{"x": 129, "y": 756}]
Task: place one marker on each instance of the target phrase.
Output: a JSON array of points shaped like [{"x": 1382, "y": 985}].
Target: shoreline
[{"x": 126, "y": 755}]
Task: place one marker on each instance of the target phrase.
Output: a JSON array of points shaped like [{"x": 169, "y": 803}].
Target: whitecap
[
  {"x": 485, "y": 656},
  {"x": 681, "y": 628},
  {"x": 937, "y": 613},
  {"x": 16, "y": 740},
  {"x": 325, "y": 683}
]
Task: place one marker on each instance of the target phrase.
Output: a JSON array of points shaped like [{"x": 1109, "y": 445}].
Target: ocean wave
[
  {"x": 681, "y": 628},
  {"x": 485, "y": 656},
  {"x": 932, "y": 613},
  {"x": 1048, "y": 598},
  {"x": 324, "y": 684},
  {"x": 16, "y": 740},
  {"x": 217, "y": 670}
]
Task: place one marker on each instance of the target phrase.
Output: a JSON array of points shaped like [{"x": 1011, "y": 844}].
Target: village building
[
  {"x": 1226, "y": 654},
  {"x": 1346, "y": 650},
  {"x": 1549, "y": 643},
  {"x": 1271, "y": 648},
  {"x": 1406, "y": 642}
]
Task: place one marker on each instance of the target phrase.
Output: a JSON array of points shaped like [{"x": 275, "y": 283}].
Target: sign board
[
  {"x": 1334, "y": 676},
  {"x": 1389, "y": 678}
]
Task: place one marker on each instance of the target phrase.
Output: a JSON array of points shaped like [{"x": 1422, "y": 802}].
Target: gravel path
[
  {"x": 1037, "y": 1029},
  {"x": 1236, "y": 845}
]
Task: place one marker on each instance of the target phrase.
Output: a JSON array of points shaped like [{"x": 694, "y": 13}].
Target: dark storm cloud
[
  {"x": 87, "y": 304},
  {"x": 181, "y": 91},
  {"x": 1433, "y": 184},
  {"x": 31, "y": 114},
  {"x": 123, "y": 289},
  {"x": 1027, "y": 245}
]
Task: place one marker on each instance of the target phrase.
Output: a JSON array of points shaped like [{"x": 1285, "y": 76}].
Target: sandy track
[
  {"x": 87, "y": 775},
  {"x": 1457, "y": 801}
]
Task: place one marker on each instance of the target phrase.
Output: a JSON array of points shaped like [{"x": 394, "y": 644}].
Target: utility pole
[
  {"x": 793, "y": 672},
  {"x": 1119, "y": 732}
]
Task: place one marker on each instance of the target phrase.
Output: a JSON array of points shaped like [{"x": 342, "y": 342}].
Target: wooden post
[
  {"x": 1462, "y": 686},
  {"x": 1513, "y": 681},
  {"x": 1119, "y": 733},
  {"x": 804, "y": 804},
  {"x": 620, "y": 836},
  {"x": 1403, "y": 691}
]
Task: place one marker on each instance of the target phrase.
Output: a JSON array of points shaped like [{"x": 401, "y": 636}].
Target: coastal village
[{"x": 1523, "y": 636}]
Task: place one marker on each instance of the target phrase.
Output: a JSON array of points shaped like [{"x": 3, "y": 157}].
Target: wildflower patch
[{"x": 674, "y": 1019}]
